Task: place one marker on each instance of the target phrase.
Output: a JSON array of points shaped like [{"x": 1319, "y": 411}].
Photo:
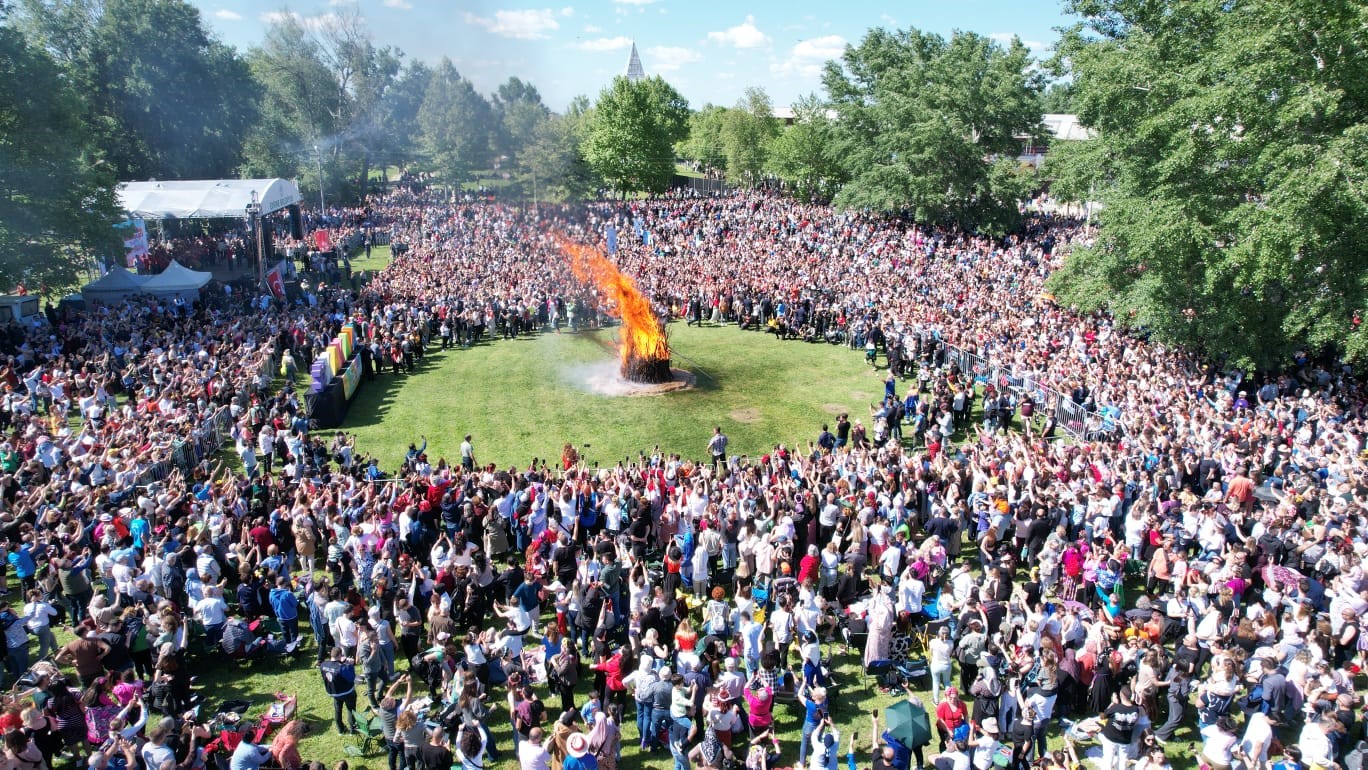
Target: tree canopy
[
  {"x": 632, "y": 136},
  {"x": 1232, "y": 164},
  {"x": 57, "y": 203},
  {"x": 161, "y": 96},
  {"x": 931, "y": 127}
]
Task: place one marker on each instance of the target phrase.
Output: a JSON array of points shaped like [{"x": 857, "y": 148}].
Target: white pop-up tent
[
  {"x": 205, "y": 198},
  {"x": 114, "y": 287},
  {"x": 177, "y": 280}
]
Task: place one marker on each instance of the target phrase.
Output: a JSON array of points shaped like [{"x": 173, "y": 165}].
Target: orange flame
[{"x": 642, "y": 335}]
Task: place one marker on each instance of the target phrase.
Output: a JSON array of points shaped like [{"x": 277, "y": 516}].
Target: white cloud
[
  {"x": 743, "y": 35},
  {"x": 807, "y": 57},
  {"x": 1005, "y": 38},
  {"x": 603, "y": 44},
  {"x": 227, "y": 15},
  {"x": 403, "y": 5},
  {"x": 279, "y": 17},
  {"x": 667, "y": 58},
  {"x": 312, "y": 23},
  {"x": 590, "y": 29},
  {"x": 567, "y": 11},
  {"x": 889, "y": 20},
  {"x": 634, "y": 2},
  {"x": 531, "y": 24}
]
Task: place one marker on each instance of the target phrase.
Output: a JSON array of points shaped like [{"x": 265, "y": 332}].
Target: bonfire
[{"x": 642, "y": 343}]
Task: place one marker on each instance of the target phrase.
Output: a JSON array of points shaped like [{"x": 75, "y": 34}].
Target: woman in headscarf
[
  {"x": 561, "y": 731},
  {"x": 880, "y": 622},
  {"x": 605, "y": 741}
]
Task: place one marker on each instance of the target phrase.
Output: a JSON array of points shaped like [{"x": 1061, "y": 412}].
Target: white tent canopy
[
  {"x": 114, "y": 287},
  {"x": 206, "y": 198},
  {"x": 177, "y": 280}
]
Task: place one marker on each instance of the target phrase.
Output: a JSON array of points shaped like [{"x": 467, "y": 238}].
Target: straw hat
[{"x": 577, "y": 745}]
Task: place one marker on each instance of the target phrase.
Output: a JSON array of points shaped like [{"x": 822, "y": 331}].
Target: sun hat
[
  {"x": 577, "y": 745},
  {"x": 990, "y": 725}
]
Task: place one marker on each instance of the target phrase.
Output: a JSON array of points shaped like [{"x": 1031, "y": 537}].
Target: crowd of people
[{"x": 1194, "y": 576}]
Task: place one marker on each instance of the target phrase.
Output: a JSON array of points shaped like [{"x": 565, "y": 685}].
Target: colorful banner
[
  {"x": 351, "y": 378},
  {"x": 134, "y": 235},
  {"x": 322, "y": 240}
]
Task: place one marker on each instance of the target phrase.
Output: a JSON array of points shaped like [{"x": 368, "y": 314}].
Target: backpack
[{"x": 1213, "y": 707}]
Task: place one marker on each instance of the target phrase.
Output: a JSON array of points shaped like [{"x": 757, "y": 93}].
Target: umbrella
[
  {"x": 907, "y": 722},
  {"x": 1277, "y": 573}
]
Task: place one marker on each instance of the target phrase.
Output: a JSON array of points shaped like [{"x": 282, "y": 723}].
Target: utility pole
[
  {"x": 254, "y": 214},
  {"x": 319, "y": 152}
]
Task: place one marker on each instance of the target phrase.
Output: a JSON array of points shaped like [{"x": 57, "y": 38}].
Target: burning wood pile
[{"x": 642, "y": 344}]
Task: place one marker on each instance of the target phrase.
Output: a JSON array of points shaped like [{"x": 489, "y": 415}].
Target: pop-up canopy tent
[
  {"x": 114, "y": 287},
  {"x": 205, "y": 198},
  {"x": 177, "y": 280}
]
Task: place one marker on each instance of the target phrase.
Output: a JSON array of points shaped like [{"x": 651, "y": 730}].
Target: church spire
[{"x": 635, "y": 72}]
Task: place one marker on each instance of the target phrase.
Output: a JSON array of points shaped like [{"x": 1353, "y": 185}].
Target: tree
[
  {"x": 1058, "y": 98},
  {"x": 520, "y": 111},
  {"x": 163, "y": 98},
  {"x": 923, "y": 119},
  {"x": 748, "y": 131},
  {"x": 326, "y": 102},
  {"x": 457, "y": 125},
  {"x": 704, "y": 144},
  {"x": 1232, "y": 161},
  {"x": 57, "y": 204},
  {"x": 634, "y": 130},
  {"x": 803, "y": 155},
  {"x": 404, "y": 100},
  {"x": 555, "y": 158}
]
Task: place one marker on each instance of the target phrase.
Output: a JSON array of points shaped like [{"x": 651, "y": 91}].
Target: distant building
[
  {"x": 788, "y": 116},
  {"x": 635, "y": 72},
  {"x": 1059, "y": 127}
]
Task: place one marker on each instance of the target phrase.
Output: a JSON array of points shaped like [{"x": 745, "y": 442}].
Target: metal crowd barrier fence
[{"x": 1072, "y": 418}]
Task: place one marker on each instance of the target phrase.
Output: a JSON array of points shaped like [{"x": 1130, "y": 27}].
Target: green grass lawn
[
  {"x": 518, "y": 398},
  {"x": 380, "y": 257}
]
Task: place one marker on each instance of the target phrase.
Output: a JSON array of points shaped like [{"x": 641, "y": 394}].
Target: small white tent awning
[
  {"x": 205, "y": 199},
  {"x": 114, "y": 287},
  {"x": 177, "y": 280}
]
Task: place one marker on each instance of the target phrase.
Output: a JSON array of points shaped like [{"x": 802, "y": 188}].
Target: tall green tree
[
  {"x": 634, "y": 130},
  {"x": 57, "y": 204},
  {"x": 748, "y": 131},
  {"x": 704, "y": 145},
  {"x": 329, "y": 102},
  {"x": 518, "y": 106},
  {"x": 458, "y": 126},
  {"x": 404, "y": 100},
  {"x": 162, "y": 96},
  {"x": 1232, "y": 161},
  {"x": 554, "y": 157},
  {"x": 923, "y": 121},
  {"x": 804, "y": 154}
]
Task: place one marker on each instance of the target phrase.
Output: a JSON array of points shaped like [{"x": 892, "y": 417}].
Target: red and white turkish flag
[{"x": 277, "y": 282}]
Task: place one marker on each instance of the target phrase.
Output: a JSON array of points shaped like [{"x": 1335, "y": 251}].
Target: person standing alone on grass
[
  {"x": 467, "y": 454},
  {"x": 717, "y": 447}
]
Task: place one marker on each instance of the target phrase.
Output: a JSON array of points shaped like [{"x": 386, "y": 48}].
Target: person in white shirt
[
  {"x": 37, "y": 618},
  {"x": 533, "y": 753},
  {"x": 212, "y": 612}
]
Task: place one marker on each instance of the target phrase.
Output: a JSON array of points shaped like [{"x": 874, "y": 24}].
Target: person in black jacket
[{"x": 339, "y": 679}]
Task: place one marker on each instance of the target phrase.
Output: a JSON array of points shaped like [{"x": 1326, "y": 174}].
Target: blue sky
[{"x": 710, "y": 51}]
